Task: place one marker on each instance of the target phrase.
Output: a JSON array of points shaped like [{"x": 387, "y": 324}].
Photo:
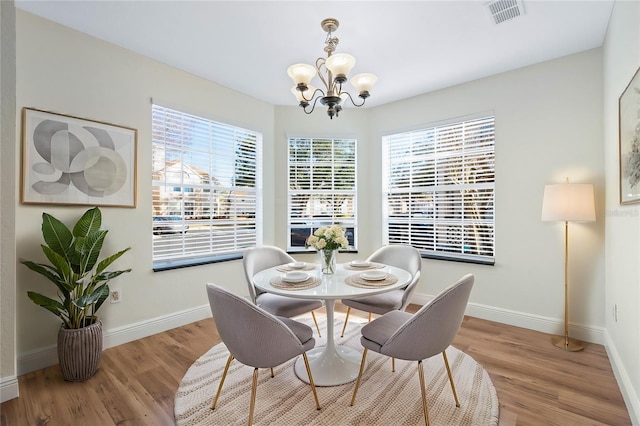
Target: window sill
[
  {"x": 185, "y": 263},
  {"x": 475, "y": 261}
]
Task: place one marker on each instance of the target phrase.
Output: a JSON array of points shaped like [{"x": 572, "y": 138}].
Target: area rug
[{"x": 384, "y": 397}]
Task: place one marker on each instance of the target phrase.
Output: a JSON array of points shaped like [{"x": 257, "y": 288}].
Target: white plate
[
  {"x": 360, "y": 263},
  {"x": 296, "y": 265},
  {"x": 295, "y": 277},
  {"x": 373, "y": 275}
]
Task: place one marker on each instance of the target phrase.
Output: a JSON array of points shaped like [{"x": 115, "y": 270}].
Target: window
[
  {"x": 439, "y": 190},
  {"x": 322, "y": 188},
  {"x": 206, "y": 189}
]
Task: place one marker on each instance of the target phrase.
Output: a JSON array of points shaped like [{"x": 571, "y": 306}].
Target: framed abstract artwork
[
  {"x": 629, "y": 128},
  {"x": 71, "y": 160}
]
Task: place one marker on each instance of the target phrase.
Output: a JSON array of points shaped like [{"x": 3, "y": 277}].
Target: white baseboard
[
  {"x": 539, "y": 323},
  {"x": 47, "y": 356},
  {"x": 631, "y": 398},
  {"x": 8, "y": 388}
]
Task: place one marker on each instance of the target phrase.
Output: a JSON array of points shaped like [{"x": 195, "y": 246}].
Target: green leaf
[
  {"x": 90, "y": 250},
  {"x": 109, "y": 260},
  {"x": 87, "y": 300},
  {"x": 44, "y": 270},
  {"x": 51, "y": 305},
  {"x": 109, "y": 275},
  {"x": 60, "y": 263},
  {"x": 56, "y": 234},
  {"x": 90, "y": 221},
  {"x": 103, "y": 296},
  {"x": 75, "y": 254}
]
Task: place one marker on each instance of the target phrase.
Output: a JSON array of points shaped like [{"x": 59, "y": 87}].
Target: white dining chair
[
  {"x": 257, "y": 259},
  {"x": 416, "y": 337},
  {"x": 398, "y": 255}
]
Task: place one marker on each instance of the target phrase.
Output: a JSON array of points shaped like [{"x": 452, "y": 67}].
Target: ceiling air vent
[{"x": 504, "y": 10}]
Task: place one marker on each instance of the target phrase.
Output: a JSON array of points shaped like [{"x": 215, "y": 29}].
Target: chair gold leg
[
  {"x": 224, "y": 375},
  {"x": 313, "y": 386},
  {"x": 369, "y": 316},
  {"x": 355, "y": 389},
  {"x": 424, "y": 393},
  {"x": 393, "y": 365},
  {"x": 272, "y": 375},
  {"x": 254, "y": 385},
  {"x": 453, "y": 387},
  {"x": 344, "y": 327},
  {"x": 316, "y": 323}
]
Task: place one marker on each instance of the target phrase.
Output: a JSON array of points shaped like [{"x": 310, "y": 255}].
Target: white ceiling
[{"x": 414, "y": 47}]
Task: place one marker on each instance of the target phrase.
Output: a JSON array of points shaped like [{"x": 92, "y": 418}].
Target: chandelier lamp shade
[
  {"x": 333, "y": 71},
  {"x": 568, "y": 202}
]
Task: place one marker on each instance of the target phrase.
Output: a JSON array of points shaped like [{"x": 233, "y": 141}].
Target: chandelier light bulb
[
  {"x": 364, "y": 83},
  {"x": 340, "y": 65},
  {"x": 303, "y": 97},
  {"x": 301, "y": 74}
]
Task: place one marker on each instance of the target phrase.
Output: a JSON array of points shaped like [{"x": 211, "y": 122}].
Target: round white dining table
[{"x": 331, "y": 365}]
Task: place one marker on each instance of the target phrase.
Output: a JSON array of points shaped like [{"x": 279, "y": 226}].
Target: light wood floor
[{"x": 537, "y": 383}]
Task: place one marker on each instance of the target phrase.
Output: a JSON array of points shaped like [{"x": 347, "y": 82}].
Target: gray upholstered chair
[
  {"x": 421, "y": 335},
  {"x": 398, "y": 255},
  {"x": 257, "y": 338},
  {"x": 257, "y": 259}
]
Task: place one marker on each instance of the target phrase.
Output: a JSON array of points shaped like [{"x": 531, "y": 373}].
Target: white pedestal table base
[{"x": 330, "y": 365}]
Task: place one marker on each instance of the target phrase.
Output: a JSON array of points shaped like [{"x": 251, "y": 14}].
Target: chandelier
[{"x": 334, "y": 72}]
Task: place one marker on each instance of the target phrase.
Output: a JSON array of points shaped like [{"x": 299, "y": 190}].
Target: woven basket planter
[{"x": 79, "y": 351}]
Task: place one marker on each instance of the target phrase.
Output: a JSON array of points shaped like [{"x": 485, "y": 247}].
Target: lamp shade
[
  {"x": 364, "y": 82},
  {"x": 301, "y": 73},
  {"x": 571, "y": 202},
  {"x": 300, "y": 96},
  {"x": 340, "y": 64}
]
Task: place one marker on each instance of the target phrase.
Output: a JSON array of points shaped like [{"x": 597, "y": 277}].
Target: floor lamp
[{"x": 568, "y": 202}]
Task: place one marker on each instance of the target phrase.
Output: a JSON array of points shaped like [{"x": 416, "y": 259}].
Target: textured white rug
[{"x": 384, "y": 398}]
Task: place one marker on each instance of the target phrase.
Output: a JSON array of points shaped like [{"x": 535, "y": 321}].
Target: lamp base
[{"x": 572, "y": 345}]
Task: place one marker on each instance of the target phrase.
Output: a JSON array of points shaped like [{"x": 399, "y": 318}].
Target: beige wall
[
  {"x": 67, "y": 72},
  {"x": 7, "y": 191},
  {"x": 622, "y": 248}
]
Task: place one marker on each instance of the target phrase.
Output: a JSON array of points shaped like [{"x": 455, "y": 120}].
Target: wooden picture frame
[
  {"x": 629, "y": 139},
  {"x": 76, "y": 161}
]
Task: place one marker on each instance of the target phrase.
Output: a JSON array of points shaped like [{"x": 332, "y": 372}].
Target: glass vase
[{"x": 328, "y": 261}]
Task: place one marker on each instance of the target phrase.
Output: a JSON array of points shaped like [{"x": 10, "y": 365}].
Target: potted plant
[{"x": 82, "y": 287}]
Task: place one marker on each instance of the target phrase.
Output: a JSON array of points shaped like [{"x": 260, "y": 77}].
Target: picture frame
[
  {"x": 77, "y": 161},
  {"x": 629, "y": 140}
]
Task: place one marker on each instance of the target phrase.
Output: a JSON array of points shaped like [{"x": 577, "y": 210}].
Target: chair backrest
[
  {"x": 257, "y": 259},
  {"x": 253, "y": 336},
  {"x": 409, "y": 290},
  {"x": 432, "y": 329},
  {"x": 399, "y": 255},
  {"x": 404, "y": 257}
]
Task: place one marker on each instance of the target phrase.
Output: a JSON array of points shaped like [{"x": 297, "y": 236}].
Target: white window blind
[
  {"x": 322, "y": 188},
  {"x": 439, "y": 190},
  {"x": 205, "y": 188}
]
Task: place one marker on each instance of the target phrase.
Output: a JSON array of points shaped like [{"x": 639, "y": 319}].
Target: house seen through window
[
  {"x": 439, "y": 189},
  {"x": 206, "y": 189}
]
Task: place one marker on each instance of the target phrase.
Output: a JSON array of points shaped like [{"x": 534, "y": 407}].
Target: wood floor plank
[{"x": 537, "y": 383}]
